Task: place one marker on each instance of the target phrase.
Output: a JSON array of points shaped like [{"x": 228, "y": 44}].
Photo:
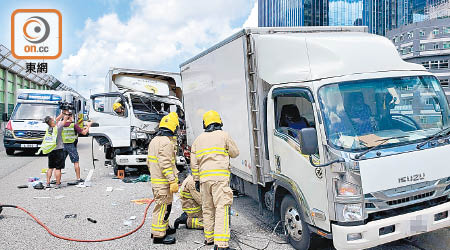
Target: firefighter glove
[{"x": 174, "y": 187}]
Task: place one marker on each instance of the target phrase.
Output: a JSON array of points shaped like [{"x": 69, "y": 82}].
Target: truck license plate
[
  {"x": 29, "y": 145},
  {"x": 419, "y": 225}
]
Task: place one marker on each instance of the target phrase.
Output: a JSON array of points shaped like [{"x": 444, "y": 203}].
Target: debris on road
[
  {"x": 41, "y": 197},
  {"x": 141, "y": 178},
  {"x": 22, "y": 186},
  {"x": 38, "y": 185},
  {"x": 92, "y": 220},
  {"x": 69, "y": 216},
  {"x": 59, "y": 197},
  {"x": 109, "y": 189},
  {"x": 127, "y": 223},
  {"x": 133, "y": 217}
]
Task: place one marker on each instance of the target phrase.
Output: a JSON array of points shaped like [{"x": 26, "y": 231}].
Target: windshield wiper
[
  {"x": 445, "y": 131},
  {"x": 383, "y": 141}
]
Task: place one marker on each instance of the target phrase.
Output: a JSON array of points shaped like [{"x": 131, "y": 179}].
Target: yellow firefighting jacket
[
  {"x": 191, "y": 199},
  {"x": 210, "y": 158},
  {"x": 161, "y": 162}
]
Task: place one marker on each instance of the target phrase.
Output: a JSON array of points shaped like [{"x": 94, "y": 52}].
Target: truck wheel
[
  {"x": 297, "y": 230},
  {"x": 9, "y": 151}
]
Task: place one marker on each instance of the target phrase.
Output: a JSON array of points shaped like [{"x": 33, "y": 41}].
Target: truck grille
[
  {"x": 406, "y": 196},
  {"x": 411, "y": 198},
  {"x": 29, "y": 134}
]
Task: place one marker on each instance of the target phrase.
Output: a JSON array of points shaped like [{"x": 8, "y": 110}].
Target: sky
[{"x": 137, "y": 34}]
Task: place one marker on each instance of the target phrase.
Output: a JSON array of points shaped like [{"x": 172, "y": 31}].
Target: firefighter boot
[
  {"x": 180, "y": 220},
  {"x": 166, "y": 240}
]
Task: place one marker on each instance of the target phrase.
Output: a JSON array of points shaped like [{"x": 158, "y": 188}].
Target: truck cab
[
  {"x": 145, "y": 96},
  {"x": 338, "y": 136},
  {"x": 25, "y": 129}
]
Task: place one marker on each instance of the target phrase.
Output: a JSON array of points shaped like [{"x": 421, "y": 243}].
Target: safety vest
[
  {"x": 80, "y": 121},
  {"x": 49, "y": 142},
  {"x": 68, "y": 134}
]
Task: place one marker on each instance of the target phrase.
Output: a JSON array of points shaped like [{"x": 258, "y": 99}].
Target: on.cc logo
[{"x": 36, "y": 29}]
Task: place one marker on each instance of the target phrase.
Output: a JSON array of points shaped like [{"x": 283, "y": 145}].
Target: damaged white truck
[
  {"x": 337, "y": 135},
  {"x": 146, "y": 96}
]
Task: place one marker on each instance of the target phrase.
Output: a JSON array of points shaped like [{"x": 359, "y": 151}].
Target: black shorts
[{"x": 56, "y": 159}]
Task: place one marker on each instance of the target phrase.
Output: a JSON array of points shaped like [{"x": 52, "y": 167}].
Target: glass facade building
[{"x": 379, "y": 15}]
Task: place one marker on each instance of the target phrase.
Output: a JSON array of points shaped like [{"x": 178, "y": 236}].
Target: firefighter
[
  {"x": 118, "y": 108},
  {"x": 191, "y": 203},
  {"x": 164, "y": 179},
  {"x": 210, "y": 164}
]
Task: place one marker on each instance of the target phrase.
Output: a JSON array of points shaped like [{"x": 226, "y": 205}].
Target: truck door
[
  {"x": 289, "y": 111},
  {"x": 112, "y": 125}
]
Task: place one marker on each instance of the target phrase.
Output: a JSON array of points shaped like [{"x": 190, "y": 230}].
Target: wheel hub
[{"x": 293, "y": 223}]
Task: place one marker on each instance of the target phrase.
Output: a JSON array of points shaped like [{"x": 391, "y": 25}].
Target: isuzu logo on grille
[{"x": 412, "y": 178}]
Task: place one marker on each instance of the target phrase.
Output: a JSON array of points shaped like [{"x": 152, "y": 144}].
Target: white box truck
[
  {"x": 26, "y": 128},
  {"x": 337, "y": 135},
  {"x": 146, "y": 97}
]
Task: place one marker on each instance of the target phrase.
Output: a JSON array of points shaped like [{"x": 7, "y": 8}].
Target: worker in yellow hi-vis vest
[
  {"x": 164, "y": 179},
  {"x": 70, "y": 137},
  {"x": 210, "y": 165}
]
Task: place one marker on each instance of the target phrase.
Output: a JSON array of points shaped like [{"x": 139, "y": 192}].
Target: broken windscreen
[{"x": 152, "y": 108}]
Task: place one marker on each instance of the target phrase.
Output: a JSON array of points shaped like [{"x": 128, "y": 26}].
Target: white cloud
[
  {"x": 159, "y": 35},
  {"x": 252, "y": 20}
]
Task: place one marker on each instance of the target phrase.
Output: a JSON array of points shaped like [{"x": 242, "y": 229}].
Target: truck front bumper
[
  {"x": 404, "y": 226},
  {"x": 140, "y": 160}
]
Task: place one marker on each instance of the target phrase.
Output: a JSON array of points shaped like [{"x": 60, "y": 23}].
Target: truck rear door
[{"x": 112, "y": 125}]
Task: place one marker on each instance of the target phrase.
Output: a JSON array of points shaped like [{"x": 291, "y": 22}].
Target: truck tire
[
  {"x": 296, "y": 228},
  {"x": 10, "y": 151}
]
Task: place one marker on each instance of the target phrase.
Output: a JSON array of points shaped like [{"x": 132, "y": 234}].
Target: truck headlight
[
  {"x": 8, "y": 133},
  {"x": 345, "y": 189},
  {"x": 352, "y": 212}
]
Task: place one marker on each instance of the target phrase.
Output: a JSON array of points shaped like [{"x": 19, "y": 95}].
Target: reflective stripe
[
  {"x": 161, "y": 226},
  {"x": 216, "y": 172},
  {"x": 192, "y": 210},
  {"x": 196, "y": 223},
  {"x": 221, "y": 239},
  {"x": 160, "y": 181},
  {"x": 227, "y": 220},
  {"x": 213, "y": 150},
  {"x": 152, "y": 159},
  {"x": 167, "y": 171},
  {"x": 186, "y": 195},
  {"x": 208, "y": 234}
]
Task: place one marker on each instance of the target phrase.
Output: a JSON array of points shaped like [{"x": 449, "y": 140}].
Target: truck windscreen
[
  {"x": 34, "y": 111},
  {"x": 359, "y": 114}
]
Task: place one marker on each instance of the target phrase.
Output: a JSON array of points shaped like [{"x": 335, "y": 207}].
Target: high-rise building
[
  {"x": 379, "y": 15},
  {"x": 426, "y": 43}
]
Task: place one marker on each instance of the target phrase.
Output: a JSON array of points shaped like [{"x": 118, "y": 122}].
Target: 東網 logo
[{"x": 36, "y": 34}]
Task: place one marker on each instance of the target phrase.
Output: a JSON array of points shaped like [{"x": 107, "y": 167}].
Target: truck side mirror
[
  {"x": 5, "y": 117},
  {"x": 308, "y": 141}
]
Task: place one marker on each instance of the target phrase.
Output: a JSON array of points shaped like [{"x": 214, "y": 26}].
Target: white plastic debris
[
  {"x": 133, "y": 217},
  {"x": 41, "y": 197},
  {"x": 127, "y": 223},
  {"x": 59, "y": 197},
  {"x": 109, "y": 189}
]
